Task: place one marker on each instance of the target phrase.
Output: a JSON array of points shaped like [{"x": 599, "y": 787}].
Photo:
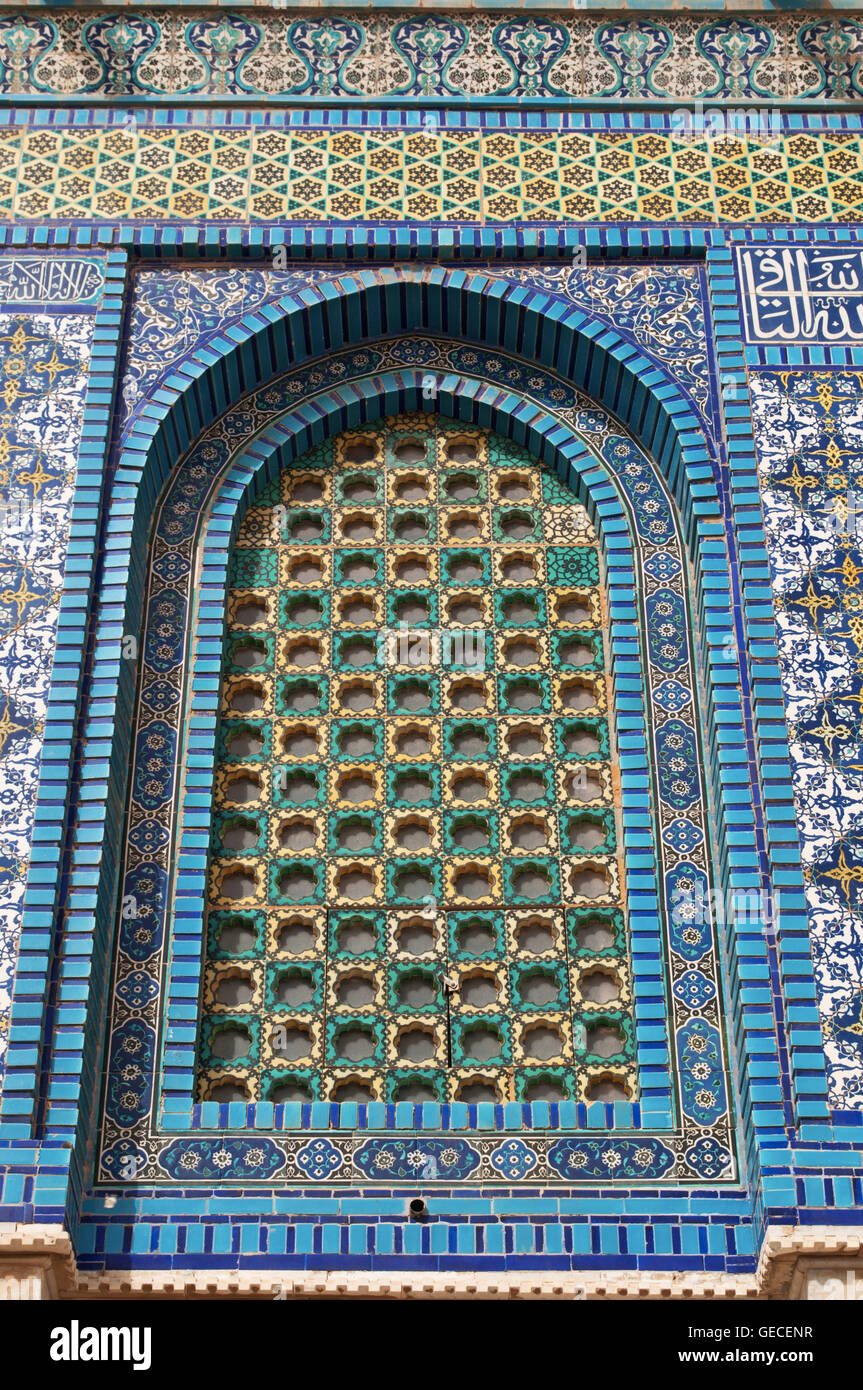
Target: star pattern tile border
[{"x": 237, "y": 173}]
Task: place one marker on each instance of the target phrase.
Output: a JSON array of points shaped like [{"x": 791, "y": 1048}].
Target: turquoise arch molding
[
  {"x": 363, "y": 401},
  {"x": 470, "y": 307}
]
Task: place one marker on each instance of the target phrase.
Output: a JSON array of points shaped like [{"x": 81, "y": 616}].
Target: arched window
[{"x": 414, "y": 890}]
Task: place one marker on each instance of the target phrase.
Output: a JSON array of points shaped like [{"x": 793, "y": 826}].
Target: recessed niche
[
  {"x": 467, "y": 695},
  {"x": 231, "y": 1042},
  {"x": 412, "y": 526},
  {"x": 585, "y": 834},
  {"x": 250, "y": 612},
  {"x": 356, "y": 937},
  {"x": 476, "y": 939},
  {"x": 525, "y": 695},
  {"x": 599, "y": 987},
  {"x": 239, "y": 835},
  {"x": 589, "y": 882},
  {"x": 518, "y": 569},
  {"x": 356, "y": 835},
  {"x": 520, "y": 609},
  {"x": 542, "y": 1042},
  {"x": 516, "y": 525},
  {"x": 581, "y": 739},
  {"x": 238, "y": 883},
  {"x": 574, "y": 611},
  {"x": 465, "y": 611},
  {"x": 357, "y": 787},
  {"x": 296, "y": 936},
  {"x": 291, "y": 1041},
  {"x": 356, "y": 991},
  {"x": 410, "y": 451},
  {"x": 414, "y": 741},
  {"x": 461, "y": 451},
  {"x": 515, "y": 488},
  {"x": 301, "y": 742},
  {"x": 604, "y": 1040},
  {"x": 246, "y": 698},
  {"x": 299, "y": 787},
  {"x": 411, "y": 488},
  {"x": 243, "y": 789},
  {"x": 304, "y": 611},
  {"x": 464, "y": 569},
  {"x": 352, "y": 1093},
  {"x": 228, "y": 1092},
  {"x": 305, "y": 570},
  {"x": 361, "y": 451},
  {"x": 531, "y": 883},
  {"x": 244, "y": 743},
  {"x": 303, "y": 652},
  {"x": 294, "y": 990},
  {"x": 535, "y": 936},
  {"x": 463, "y": 526},
  {"x": 577, "y": 694},
  {"x": 355, "y": 1044},
  {"x": 355, "y": 884},
  {"x": 543, "y": 1089},
  {"x": 358, "y": 651},
  {"x": 236, "y": 936},
  {"x": 413, "y": 884},
  {"x": 538, "y": 987},
  {"x": 248, "y": 654},
  {"x": 527, "y": 786},
  {"x": 234, "y": 990},
  {"x": 358, "y": 489},
  {"x": 472, "y": 883},
  {"x": 461, "y": 487},
  {"x": 357, "y": 611},
  {"x": 412, "y": 788},
  {"x": 477, "y": 1092},
  {"x": 355, "y": 741},
  {"x": 307, "y": 490},
  {"x": 525, "y": 741},
  {"x": 479, "y": 990},
  {"x": 358, "y": 696},
  {"x": 416, "y": 938},
  {"x": 412, "y": 610},
  {"x": 576, "y": 653},
  {"x": 471, "y": 833},
  {"x": 305, "y": 527},
  {"x": 415, "y": 1092},
  {"x": 481, "y": 1044},
  {"x": 607, "y": 1088},
  {"x": 296, "y": 883},
  {"x": 469, "y": 740},
  {"x": 470, "y": 786},
  {"x": 358, "y": 528},
  {"x": 594, "y": 934},
  {"x": 416, "y": 991},
  {"x": 529, "y": 833},
  {"x": 414, "y": 834},
  {"x": 359, "y": 570},
  {"x": 413, "y": 695},
  {"x": 416, "y": 1045},
  {"x": 290, "y": 1092},
  {"x": 412, "y": 569},
  {"x": 582, "y": 785},
  {"x": 302, "y": 696}
]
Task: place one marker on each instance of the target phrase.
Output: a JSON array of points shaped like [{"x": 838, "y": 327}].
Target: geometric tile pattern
[
  {"x": 467, "y": 56},
  {"x": 414, "y": 892},
  {"x": 236, "y": 173}
]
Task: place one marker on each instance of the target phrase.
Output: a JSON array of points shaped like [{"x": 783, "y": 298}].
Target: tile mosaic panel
[
  {"x": 503, "y": 56},
  {"x": 43, "y": 361},
  {"x": 808, "y": 427},
  {"x": 413, "y": 854},
  {"x": 438, "y": 174}
]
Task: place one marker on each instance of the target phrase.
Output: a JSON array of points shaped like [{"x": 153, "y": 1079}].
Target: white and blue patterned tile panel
[
  {"x": 468, "y": 56},
  {"x": 43, "y": 373},
  {"x": 809, "y": 435}
]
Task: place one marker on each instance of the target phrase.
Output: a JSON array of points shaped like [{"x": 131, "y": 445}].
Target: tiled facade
[{"x": 206, "y": 315}]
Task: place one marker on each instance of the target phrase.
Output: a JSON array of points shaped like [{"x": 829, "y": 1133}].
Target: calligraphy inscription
[
  {"x": 797, "y": 294},
  {"x": 26, "y": 281}
]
